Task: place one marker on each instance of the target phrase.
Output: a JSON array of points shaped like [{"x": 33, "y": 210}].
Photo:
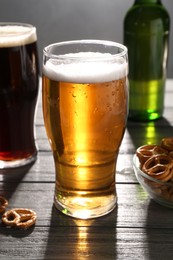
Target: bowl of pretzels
[{"x": 153, "y": 166}]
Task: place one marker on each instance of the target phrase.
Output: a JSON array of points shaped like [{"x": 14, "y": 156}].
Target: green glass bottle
[{"x": 146, "y": 33}]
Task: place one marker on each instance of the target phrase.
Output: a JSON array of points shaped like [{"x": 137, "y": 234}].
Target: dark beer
[
  {"x": 18, "y": 94},
  {"x": 85, "y": 110}
]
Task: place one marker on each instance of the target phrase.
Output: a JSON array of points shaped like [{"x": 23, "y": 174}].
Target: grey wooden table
[{"x": 139, "y": 228}]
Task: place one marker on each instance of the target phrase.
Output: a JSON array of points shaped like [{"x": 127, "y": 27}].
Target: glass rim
[
  {"x": 17, "y": 23},
  {"x": 46, "y": 50}
]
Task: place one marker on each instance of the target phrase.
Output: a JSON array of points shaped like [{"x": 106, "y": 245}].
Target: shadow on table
[
  {"x": 81, "y": 239},
  {"x": 149, "y": 132},
  {"x": 159, "y": 231},
  {"x": 15, "y": 232},
  {"x": 11, "y": 178}
]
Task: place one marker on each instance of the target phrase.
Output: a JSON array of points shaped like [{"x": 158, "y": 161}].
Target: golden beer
[{"x": 85, "y": 116}]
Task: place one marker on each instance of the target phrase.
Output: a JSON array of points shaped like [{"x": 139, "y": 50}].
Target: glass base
[
  {"x": 18, "y": 163},
  {"x": 86, "y": 207}
]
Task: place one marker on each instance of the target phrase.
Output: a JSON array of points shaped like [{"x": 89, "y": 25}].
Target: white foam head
[
  {"x": 104, "y": 68},
  {"x": 16, "y": 35}
]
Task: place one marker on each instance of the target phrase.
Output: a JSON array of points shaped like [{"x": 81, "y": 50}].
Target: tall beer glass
[
  {"x": 85, "y": 108},
  {"x": 18, "y": 94}
]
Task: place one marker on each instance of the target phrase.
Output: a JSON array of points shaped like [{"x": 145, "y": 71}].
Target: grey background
[{"x": 59, "y": 20}]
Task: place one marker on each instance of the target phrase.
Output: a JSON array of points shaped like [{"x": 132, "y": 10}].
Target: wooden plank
[
  {"x": 134, "y": 208},
  {"x": 86, "y": 243}
]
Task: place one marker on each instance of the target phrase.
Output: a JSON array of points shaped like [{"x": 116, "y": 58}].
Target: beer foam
[
  {"x": 104, "y": 68},
  {"x": 16, "y": 35}
]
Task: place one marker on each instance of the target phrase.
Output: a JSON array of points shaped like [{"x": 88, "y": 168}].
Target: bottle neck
[{"x": 143, "y": 2}]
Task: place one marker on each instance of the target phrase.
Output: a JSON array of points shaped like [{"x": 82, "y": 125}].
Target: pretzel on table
[
  {"x": 19, "y": 217},
  {"x": 3, "y": 204}
]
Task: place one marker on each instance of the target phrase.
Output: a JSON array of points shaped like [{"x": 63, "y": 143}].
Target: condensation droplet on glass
[{"x": 95, "y": 110}]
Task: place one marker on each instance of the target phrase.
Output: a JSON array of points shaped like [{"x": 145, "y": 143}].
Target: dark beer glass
[{"x": 19, "y": 79}]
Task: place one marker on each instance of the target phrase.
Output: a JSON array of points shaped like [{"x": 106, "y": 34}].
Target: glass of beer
[
  {"x": 85, "y": 99},
  {"x": 19, "y": 78}
]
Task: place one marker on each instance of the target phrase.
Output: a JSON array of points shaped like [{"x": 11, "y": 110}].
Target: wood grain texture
[{"x": 138, "y": 228}]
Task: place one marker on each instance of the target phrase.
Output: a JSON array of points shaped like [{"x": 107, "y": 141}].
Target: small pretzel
[
  {"x": 167, "y": 143},
  {"x": 27, "y": 218},
  {"x": 146, "y": 151},
  {"x": 10, "y": 218},
  {"x": 3, "y": 204},
  {"x": 19, "y": 217},
  {"x": 159, "y": 167}
]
